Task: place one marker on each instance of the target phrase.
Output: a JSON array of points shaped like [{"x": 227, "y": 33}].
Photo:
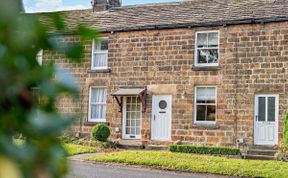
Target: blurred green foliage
[
  {"x": 285, "y": 132},
  {"x": 22, "y": 36}
]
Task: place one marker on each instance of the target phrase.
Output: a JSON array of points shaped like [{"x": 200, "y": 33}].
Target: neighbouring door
[
  {"x": 161, "y": 117},
  {"x": 266, "y": 120},
  {"x": 131, "y": 128}
]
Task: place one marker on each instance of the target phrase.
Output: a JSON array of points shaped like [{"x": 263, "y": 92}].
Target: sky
[{"x": 57, "y": 5}]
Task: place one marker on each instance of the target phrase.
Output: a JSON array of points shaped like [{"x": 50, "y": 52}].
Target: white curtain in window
[
  {"x": 213, "y": 39},
  {"x": 100, "y": 59},
  {"x": 98, "y": 103},
  {"x": 206, "y": 93},
  {"x": 202, "y": 40}
]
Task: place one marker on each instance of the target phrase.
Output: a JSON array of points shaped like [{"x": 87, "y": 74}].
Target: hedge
[
  {"x": 204, "y": 150},
  {"x": 285, "y": 132}
]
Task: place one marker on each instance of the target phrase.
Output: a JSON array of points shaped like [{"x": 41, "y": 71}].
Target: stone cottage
[{"x": 207, "y": 72}]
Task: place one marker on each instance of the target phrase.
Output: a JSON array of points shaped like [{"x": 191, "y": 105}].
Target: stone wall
[{"x": 253, "y": 60}]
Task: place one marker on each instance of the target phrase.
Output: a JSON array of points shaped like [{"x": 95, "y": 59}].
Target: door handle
[
  {"x": 154, "y": 117},
  {"x": 256, "y": 118}
]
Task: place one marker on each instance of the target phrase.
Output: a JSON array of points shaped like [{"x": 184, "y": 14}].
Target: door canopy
[{"x": 141, "y": 92}]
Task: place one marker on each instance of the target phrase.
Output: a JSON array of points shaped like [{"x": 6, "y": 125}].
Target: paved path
[{"x": 80, "y": 169}]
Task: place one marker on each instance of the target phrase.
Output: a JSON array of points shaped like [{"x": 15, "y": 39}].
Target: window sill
[
  {"x": 206, "y": 68},
  {"x": 93, "y": 123},
  {"x": 208, "y": 126},
  {"x": 108, "y": 70}
]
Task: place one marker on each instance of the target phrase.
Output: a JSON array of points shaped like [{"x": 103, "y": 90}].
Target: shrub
[
  {"x": 101, "y": 132},
  {"x": 285, "y": 132},
  {"x": 282, "y": 153},
  {"x": 109, "y": 144},
  {"x": 68, "y": 138},
  {"x": 204, "y": 150}
]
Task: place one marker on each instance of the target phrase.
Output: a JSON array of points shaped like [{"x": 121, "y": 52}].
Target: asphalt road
[{"x": 80, "y": 169}]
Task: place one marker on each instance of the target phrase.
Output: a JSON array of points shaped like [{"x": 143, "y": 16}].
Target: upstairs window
[
  {"x": 205, "y": 104},
  {"x": 100, "y": 54},
  {"x": 97, "y": 105},
  {"x": 207, "y": 49}
]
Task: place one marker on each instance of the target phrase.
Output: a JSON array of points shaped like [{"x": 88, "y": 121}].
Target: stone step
[
  {"x": 262, "y": 147},
  {"x": 157, "y": 147},
  {"x": 260, "y": 157},
  {"x": 131, "y": 144},
  {"x": 261, "y": 152}
]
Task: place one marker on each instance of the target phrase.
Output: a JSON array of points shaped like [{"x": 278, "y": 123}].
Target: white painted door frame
[
  {"x": 124, "y": 120},
  {"x": 161, "y": 118},
  {"x": 266, "y": 132}
]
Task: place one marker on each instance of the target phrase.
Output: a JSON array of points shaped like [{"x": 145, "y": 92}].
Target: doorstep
[
  {"x": 140, "y": 145},
  {"x": 131, "y": 144},
  {"x": 158, "y": 145},
  {"x": 260, "y": 152}
]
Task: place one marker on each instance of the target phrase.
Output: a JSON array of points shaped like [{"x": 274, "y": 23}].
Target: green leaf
[{"x": 87, "y": 33}]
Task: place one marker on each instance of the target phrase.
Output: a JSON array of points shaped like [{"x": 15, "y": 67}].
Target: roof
[
  {"x": 129, "y": 92},
  {"x": 179, "y": 14}
]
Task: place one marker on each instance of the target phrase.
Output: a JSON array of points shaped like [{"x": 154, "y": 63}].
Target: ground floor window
[
  {"x": 97, "y": 104},
  {"x": 205, "y": 104},
  {"x": 132, "y": 117}
]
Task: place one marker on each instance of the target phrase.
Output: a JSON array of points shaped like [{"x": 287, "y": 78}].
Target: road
[{"x": 79, "y": 169}]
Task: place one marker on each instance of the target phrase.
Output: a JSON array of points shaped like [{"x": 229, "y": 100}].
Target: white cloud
[{"x": 53, "y": 5}]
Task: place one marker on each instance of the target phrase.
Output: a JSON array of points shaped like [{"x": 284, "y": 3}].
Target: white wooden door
[
  {"x": 161, "y": 117},
  {"x": 131, "y": 128},
  {"x": 266, "y": 120}
]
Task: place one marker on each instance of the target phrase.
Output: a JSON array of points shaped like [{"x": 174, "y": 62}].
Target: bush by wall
[
  {"x": 101, "y": 132},
  {"x": 204, "y": 150},
  {"x": 285, "y": 132}
]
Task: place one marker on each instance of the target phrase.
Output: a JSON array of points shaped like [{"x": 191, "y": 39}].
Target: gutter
[{"x": 185, "y": 25}]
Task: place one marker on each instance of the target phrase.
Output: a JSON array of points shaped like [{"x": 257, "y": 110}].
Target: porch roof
[{"x": 129, "y": 92}]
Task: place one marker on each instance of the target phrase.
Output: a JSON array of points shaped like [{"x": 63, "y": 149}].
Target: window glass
[
  {"x": 100, "y": 54},
  {"x": 98, "y": 104},
  {"x": 133, "y": 114},
  {"x": 213, "y": 39},
  {"x": 202, "y": 40},
  {"x": 207, "y": 49},
  {"x": 104, "y": 45},
  {"x": 261, "y": 109},
  {"x": 271, "y": 109},
  {"x": 201, "y": 112},
  {"x": 205, "y": 104},
  {"x": 212, "y": 56}
]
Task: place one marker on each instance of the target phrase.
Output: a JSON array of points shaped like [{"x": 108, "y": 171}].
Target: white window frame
[
  {"x": 39, "y": 57},
  {"x": 89, "y": 110},
  {"x": 94, "y": 43},
  {"x": 195, "y": 105},
  {"x": 196, "y": 49}
]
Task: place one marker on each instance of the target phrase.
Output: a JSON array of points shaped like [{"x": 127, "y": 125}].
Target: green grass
[
  {"x": 197, "y": 163},
  {"x": 71, "y": 149},
  {"x": 79, "y": 149}
]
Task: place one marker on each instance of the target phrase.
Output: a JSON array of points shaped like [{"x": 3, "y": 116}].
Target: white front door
[
  {"x": 266, "y": 120},
  {"x": 161, "y": 117},
  {"x": 131, "y": 113}
]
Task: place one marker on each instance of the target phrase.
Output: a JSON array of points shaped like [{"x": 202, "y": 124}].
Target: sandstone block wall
[{"x": 253, "y": 60}]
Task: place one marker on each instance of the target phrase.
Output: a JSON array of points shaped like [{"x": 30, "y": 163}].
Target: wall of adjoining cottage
[{"x": 253, "y": 60}]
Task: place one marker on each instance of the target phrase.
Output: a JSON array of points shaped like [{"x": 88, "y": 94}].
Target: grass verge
[
  {"x": 79, "y": 149},
  {"x": 71, "y": 149},
  {"x": 197, "y": 163}
]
